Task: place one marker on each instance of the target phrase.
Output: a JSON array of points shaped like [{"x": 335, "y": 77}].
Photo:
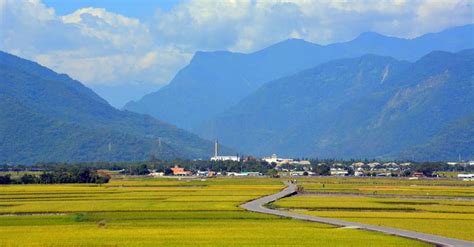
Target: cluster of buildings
[
  {"x": 303, "y": 168},
  {"x": 295, "y": 167},
  {"x": 461, "y": 163},
  {"x": 285, "y": 161},
  {"x": 379, "y": 169},
  {"x": 466, "y": 177},
  {"x": 181, "y": 172},
  {"x": 271, "y": 159}
]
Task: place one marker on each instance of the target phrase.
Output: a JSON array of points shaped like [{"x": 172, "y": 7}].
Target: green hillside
[
  {"x": 47, "y": 116},
  {"x": 367, "y": 107}
]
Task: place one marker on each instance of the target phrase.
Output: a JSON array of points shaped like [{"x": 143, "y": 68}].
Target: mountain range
[
  {"x": 366, "y": 107},
  {"x": 215, "y": 81},
  {"x": 372, "y": 97},
  {"x": 47, "y": 116}
]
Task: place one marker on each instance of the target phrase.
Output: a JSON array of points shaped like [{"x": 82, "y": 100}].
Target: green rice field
[{"x": 162, "y": 212}]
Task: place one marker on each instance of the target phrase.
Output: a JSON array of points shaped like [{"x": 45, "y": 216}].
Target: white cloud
[
  {"x": 100, "y": 47},
  {"x": 250, "y": 25},
  {"x": 91, "y": 44}
]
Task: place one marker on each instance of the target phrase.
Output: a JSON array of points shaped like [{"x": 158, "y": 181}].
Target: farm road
[{"x": 258, "y": 206}]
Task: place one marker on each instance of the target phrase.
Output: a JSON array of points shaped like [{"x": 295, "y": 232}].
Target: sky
[{"x": 126, "y": 48}]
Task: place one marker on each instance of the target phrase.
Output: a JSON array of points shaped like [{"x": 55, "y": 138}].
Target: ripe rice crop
[
  {"x": 161, "y": 212},
  {"x": 445, "y": 207}
]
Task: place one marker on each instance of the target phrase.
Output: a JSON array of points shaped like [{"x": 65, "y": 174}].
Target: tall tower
[{"x": 216, "y": 148}]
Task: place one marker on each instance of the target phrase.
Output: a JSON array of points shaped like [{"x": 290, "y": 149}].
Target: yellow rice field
[{"x": 162, "y": 212}]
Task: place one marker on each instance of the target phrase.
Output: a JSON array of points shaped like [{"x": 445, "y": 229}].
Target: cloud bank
[{"x": 99, "y": 47}]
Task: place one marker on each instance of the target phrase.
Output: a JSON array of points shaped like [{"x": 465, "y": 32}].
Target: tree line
[
  {"x": 63, "y": 172},
  {"x": 78, "y": 175}
]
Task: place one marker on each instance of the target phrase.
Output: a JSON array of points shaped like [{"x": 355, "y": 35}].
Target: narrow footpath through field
[{"x": 258, "y": 206}]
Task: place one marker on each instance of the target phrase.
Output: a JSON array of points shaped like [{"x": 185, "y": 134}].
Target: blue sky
[
  {"x": 142, "y": 9},
  {"x": 124, "y": 49}
]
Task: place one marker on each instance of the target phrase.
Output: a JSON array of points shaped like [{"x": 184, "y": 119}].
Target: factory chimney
[{"x": 216, "y": 149}]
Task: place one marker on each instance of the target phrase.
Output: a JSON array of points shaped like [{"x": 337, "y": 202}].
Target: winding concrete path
[{"x": 258, "y": 206}]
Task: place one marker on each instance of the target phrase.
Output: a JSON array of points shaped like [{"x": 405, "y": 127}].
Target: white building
[
  {"x": 339, "y": 172},
  {"x": 244, "y": 174},
  {"x": 358, "y": 173},
  {"x": 301, "y": 173},
  {"x": 156, "y": 174},
  {"x": 373, "y": 164},
  {"x": 216, "y": 156},
  {"x": 301, "y": 162},
  {"x": 358, "y": 164},
  {"x": 223, "y": 158},
  {"x": 274, "y": 159}
]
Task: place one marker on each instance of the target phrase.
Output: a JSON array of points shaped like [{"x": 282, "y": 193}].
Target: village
[
  {"x": 297, "y": 168},
  {"x": 305, "y": 167}
]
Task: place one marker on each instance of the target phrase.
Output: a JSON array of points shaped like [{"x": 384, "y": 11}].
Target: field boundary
[
  {"x": 380, "y": 195},
  {"x": 257, "y": 205}
]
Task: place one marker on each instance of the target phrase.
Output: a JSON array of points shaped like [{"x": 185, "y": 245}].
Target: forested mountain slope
[
  {"x": 47, "y": 116},
  {"x": 215, "y": 81},
  {"x": 364, "y": 107}
]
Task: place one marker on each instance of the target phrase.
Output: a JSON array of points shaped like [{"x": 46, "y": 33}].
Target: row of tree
[
  {"x": 65, "y": 172},
  {"x": 81, "y": 175}
]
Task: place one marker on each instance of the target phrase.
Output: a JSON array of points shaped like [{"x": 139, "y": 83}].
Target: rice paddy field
[
  {"x": 163, "y": 212},
  {"x": 441, "y": 207}
]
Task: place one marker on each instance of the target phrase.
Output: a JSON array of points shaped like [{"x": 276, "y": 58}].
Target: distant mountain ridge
[
  {"x": 47, "y": 116},
  {"x": 366, "y": 107},
  {"x": 215, "y": 81}
]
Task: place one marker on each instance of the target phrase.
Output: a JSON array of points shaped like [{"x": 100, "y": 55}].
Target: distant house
[
  {"x": 301, "y": 173},
  {"x": 279, "y": 161},
  {"x": 390, "y": 164},
  {"x": 465, "y": 175},
  {"x": 206, "y": 173},
  {"x": 373, "y": 164},
  {"x": 252, "y": 174},
  {"x": 418, "y": 174},
  {"x": 179, "y": 171},
  {"x": 359, "y": 173},
  {"x": 358, "y": 164},
  {"x": 244, "y": 174},
  {"x": 301, "y": 162},
  {"x": 156, "y": 174},
  {"x": 250, "y": 159},
  {"x": 224, "y": 158},
  {"x": 338, "y": 172}
]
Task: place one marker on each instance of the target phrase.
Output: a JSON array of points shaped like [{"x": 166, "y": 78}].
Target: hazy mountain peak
[
  {"x": 289, "y": 45},
  {"x": 292, "y": 42},
  {"x": 215, "y": 81},
  {"x": 370, "y": 35},
  {"x": 368, "y": 106}
]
